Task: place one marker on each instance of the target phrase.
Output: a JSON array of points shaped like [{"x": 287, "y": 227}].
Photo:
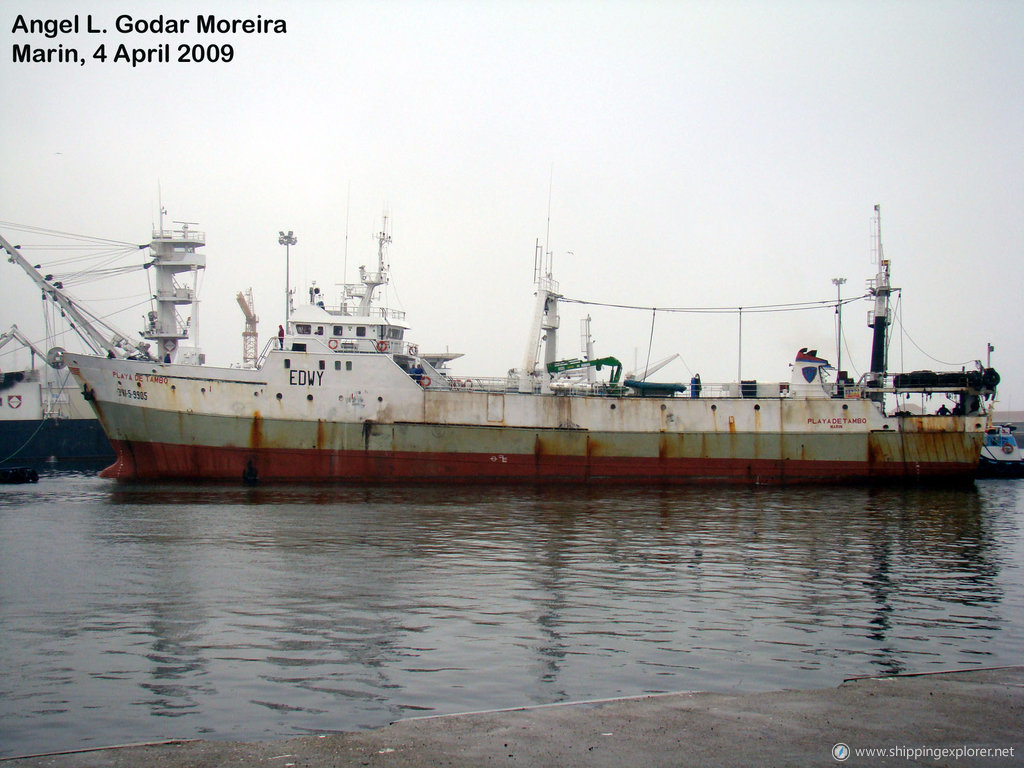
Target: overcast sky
[{"x": 695, "y": 154}]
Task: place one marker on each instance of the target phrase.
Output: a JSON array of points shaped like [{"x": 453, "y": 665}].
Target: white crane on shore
[{"x": 250, "y": 336}]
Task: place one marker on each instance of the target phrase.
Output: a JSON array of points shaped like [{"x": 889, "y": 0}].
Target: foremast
[{"x": 175, "y": 254}]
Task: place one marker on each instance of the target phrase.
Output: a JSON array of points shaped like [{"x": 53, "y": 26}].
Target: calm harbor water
[{"x": 139, "y": 612}]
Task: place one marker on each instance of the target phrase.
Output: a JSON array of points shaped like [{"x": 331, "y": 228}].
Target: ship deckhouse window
[
  {"x": 303, "y": 328},
  {"x": 298, "y": 346},
  {"x": 287, "y": 363},
  {"x": 322, "y": 365},
  {"x": 339, "y": 330},
  {"x": 348, "y": 365},
  {"x": 337, "y": 365},
  {"x": 319, "y": 330},
  {"x": 394, "y": 333},
  {"x": 360, "y": 330}
]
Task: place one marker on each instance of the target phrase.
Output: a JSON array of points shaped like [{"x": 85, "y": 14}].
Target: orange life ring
[
  {"x": 382, "y": 346},
  {"x": 1007, "y": 448},
  {"x": 424, "y": 381},
  {"x": 333, "y": 343}
]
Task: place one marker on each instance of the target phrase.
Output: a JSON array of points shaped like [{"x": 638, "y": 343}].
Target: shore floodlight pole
[{"x": 287, "y": 241}]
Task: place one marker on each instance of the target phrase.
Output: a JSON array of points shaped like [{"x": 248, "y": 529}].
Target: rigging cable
[{"x": 791, "y": 307}]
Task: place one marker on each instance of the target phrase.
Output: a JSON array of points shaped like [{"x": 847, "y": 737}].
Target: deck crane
[
  {"x": 561, "y": 366},
  {"x": 250, "y": 337}
]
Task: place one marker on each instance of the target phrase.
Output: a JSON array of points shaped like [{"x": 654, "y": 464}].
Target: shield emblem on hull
[{"x": 809, "y": 373}]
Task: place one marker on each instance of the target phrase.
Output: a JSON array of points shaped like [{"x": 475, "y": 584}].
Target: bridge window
[
  {"x": 339, "y": 330},
  {"x": 303, "y": 328},
  {"x": 360, "y": 330}
]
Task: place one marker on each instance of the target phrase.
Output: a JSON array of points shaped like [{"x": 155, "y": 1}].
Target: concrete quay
[{"x": 964, "y": 718}]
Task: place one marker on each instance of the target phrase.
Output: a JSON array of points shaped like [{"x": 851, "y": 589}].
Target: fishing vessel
[
  {"x": 43, "y": 416},
  {"x": 344, "y": 394}
]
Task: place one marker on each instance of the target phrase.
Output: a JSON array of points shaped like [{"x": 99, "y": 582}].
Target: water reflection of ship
[{"x": 390, "y": 601}]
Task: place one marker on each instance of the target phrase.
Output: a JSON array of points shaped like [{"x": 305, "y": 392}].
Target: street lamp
[
  {"x": 838, "y": 283},
  {"x": 287, "y": 241}
]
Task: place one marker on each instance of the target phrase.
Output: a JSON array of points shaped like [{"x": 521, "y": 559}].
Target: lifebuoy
[
  {"x": 1007, "y": 448},
  {"x": 333, "y": 343},
  {"x": 424, "y": 381},
  {"x": 382, "y": 346}
]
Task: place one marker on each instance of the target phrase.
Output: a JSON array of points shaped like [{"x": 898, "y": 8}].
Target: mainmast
[
  {"x": 545, "y": 322},
  {"x": 880, "y": 288}
]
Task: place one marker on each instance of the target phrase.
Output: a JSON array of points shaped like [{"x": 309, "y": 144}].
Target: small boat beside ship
[
  {"x": 1001, "y": 455},
  {"x": 345, "y": 395}
]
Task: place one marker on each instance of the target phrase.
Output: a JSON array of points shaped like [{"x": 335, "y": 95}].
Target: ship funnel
[{"x": 807, "y": 375}]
